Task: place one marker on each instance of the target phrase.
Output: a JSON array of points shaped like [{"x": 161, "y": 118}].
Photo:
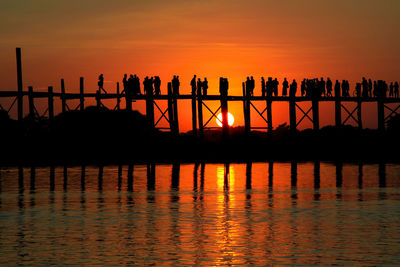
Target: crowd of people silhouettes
[{"x": 308, "y": 88}]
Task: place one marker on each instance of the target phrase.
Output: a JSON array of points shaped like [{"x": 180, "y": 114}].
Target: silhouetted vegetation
[{"x": 98, "y": 134}]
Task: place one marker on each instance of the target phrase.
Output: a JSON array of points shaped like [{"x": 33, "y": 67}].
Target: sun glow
[{"x": 231, "y": 119}]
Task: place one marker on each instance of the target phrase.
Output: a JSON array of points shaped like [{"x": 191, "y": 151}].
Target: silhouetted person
[
  {"x": 303, "y": 87},
  {"x": 136, "y": 85},
  {"x": 391, "y": 91},
  {"x": 321, "y": 85},
  {"x": 358, "y": 89},
  {"x": 248, "y": 86},
  {"x": 193, "y": 84},
  {"x": 275, "y": 86},
  {"x": 148, "y": 85},
  {"x": 370, "y": 88},
  {"x": 252, "y": 85},
  {"x": 263, "y": 88},
  {"x": 337, "y": 88},
  {"x": 269, "y": 86},
  {"x": 285, "y": 86},
  {"x": 205, "y": 86},
  {"x": 130, "y": 85},
  {"x": 100, "y": 83},
  {"x": 396, "y": 89},
  {"x": 329, "y": 87},
  {"x": 293, "y": 89},
  {"x": 375, "y": 92},
  {"x": 223, "y": 86},
  {"x": 157, "y": 85},
  {"x": 199, "y": 85},
  {"x": 125, "y": 83},
  {"x": 175, "y": 85},
  {"x": 365, "y": 87}
]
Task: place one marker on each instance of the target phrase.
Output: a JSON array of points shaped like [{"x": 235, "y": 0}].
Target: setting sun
[{"x": 231, "y": 119}]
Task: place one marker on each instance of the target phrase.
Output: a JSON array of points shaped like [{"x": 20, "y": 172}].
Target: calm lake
[{"x": 201, "y": 214}]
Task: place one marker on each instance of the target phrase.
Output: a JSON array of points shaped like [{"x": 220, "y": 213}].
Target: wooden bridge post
[
  {"x": 224, "y": 111},
  {"x": 315, "y": 110},
  {"x": 269, "y": 114},
  {"x": 82, "y": 95},
  {"x": 175, "y": 109},
  {"x": 63, "y": 99},
  {"x": 194, "y": 113},
  {"x": 292, "y": 113},
  {"x": 20, "y": 86},
  {"x": 200, "y": 113},
  {"x": 98, "y": 99},
  {"x": 359, "y": 117},
  {"x": 150, "y": 107},
  {"x": 381, "y": 114},
  {"x": 50, "y": 103},
  {"x": 170, "y": 108},
  {"x": 118, "y": 98},
  {"x": 246, "y": 110},
  {"x": 31, "y": 102},
  {"x": 338, "y": 111}
]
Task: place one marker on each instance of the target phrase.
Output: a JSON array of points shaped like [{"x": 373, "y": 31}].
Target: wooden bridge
[{"x": 200, "y": 102}]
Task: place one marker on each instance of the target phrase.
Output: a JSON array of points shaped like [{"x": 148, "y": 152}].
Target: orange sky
[{"x": 230, "y": 38}]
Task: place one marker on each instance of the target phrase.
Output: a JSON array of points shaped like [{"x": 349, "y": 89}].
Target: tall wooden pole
[
  {"x": 50, "y": 103},
  {"x": 170, "y": 108},
  {"x": 315, "y": 110},
  {"x": 118, "y": 107},
  {"x": 194, "y": 113},
  {"x": 63, "y": 99},
  {"x": 359, "y": 117},
  {"x": 224, "y": 111},
  {"x": 292, "y": 113},
  {"x": 246, "y": 109},
  {"x": 176, "y": 121},
  {"x": 338, "y": 111},
  {"x": 381, "y": 114},
  {"x": 269, "y": 114},
  {"x": 82, "y": 94},
  {"x": 150, "y": 107},
  {"x": 200, "y": 113},
  {"x": 20, "y": 85}
]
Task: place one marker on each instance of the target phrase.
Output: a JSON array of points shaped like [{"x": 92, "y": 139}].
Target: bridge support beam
[
  {"x": 292, "y": 114},
  {"x": 82, "y": 93},
  {"x": 246, "y": 110},
  {"x": 338, "y": 112},
  {"x": 315, "y": 110},
  {"x": 200, "y": 113},
  {"x": 269, "y": 115},
  {"x": 194, "y": 114},
  {"x": 381, "y": 114},
  {"x": 20, "y": 96}
]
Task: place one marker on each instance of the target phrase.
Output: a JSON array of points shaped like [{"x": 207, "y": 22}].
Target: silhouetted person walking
[
  {"x": 293, "y": 89},
  {"x": 205, "y": 86},
  {"x": 252, "y": 85},
  {"x": 396, "y": 89},
  {"x": 100, "y": 83},
  {"x": 192, "y": 84},
  {"x": 275, "y": 86},
  {"x": 303, "y": 87},
  {"x": 199, "y": 85},
  {"x": 337, "y": 88},
  {"x": 285, "y": 86},
  {"x": 125, "y": 83},
  {"x": 391, "y": 87},
  {"x": 175, "y": 85},
  {"x": 157, "y": 85},
  {"x": 370, "y": 88},
  {"x": 329, "y": 87},
  {"x": 248, "y": 86},
  {"x": 365, "y": 87}
]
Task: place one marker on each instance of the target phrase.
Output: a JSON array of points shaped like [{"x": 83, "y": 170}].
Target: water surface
[{"x": 202, "y": 214}]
